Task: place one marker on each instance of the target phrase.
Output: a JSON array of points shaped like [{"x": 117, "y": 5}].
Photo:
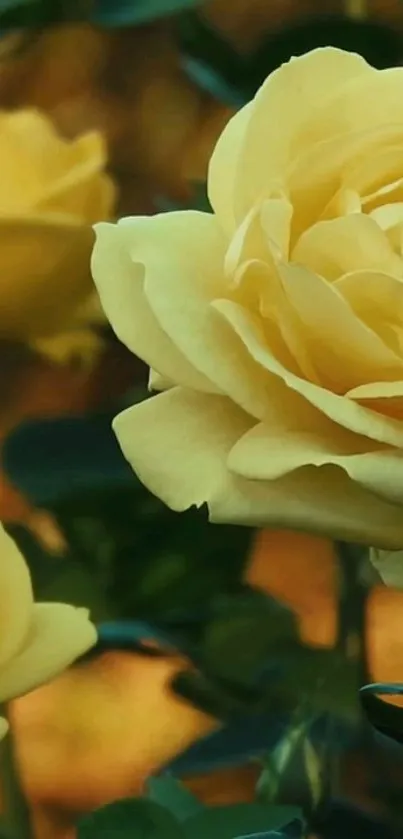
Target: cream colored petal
[
  {"x": 267, "y": 226},
  {"x": 157, "y": 383},
  {"x": 351, "y": 107},
  {"x": 384, "y": 397},
  {"x": 189, "y": 428},
  {"x": 369, "y": 175},
  {"x": 16, "y": 597},
  {"x": 315, "y": 174},
  {"x": 58, "y": 635},
  {"x": 119, "y": 277},
  {"x": 183, "y": 255},
  {"x": 224, "y": 168},
  {"x": 286, "y": 119},
  {"x": 352, "y": 243},
  {"x": 272, "y": 450},
  {"x": 360, "y": 356},
  {"x": 343, "y": 203},
  {"x": 343, "y": 411},
  {"x": 377, "y": 390},
  {"x": 41, "y": 290},
  {"x": 388, "y": 215},
  {"x": 377, "y": 299},
  {"x": 186, "y": 469},
  {"x": 390, "y": 193},
  {"x": 257, "y": 287}
]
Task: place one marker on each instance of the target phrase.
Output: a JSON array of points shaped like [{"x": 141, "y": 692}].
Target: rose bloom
[
  {"x": 37, "y": 640},
  {"x": 274, "y": 325},
  {"x": 52, "y": 191}
]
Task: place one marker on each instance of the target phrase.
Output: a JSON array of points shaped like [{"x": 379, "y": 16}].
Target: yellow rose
[
  {"x": 275, "y": 325},
  {"x": 52, "y": 191},
  {"x": 37, "y": 640}
]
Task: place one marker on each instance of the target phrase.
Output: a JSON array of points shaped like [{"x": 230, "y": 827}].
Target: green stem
[{"x": 16, "y": 813}]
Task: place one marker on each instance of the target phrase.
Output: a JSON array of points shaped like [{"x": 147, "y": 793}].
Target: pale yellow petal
[
  {"x": 16, "y": 597},
  {"x": 342, "y": 411},
  {"x": 257, "y": 287},
  {"x": 384, "y": 397},
  {"x": 351, "y": 243},
  {"x": 369, "y": 175},
  {"x": 271, "y": 450},
  {"x": 224, "y": 168},
  {"x": 58, "y": 635},
  {"x": 377, "y": 390},
  {"x": 352, "y": 107},
  {"x": 189, "y": 428},
  {"x": 286, "y": 119},
  {"x": 182, "y": 255},
  {"x": 156, "y": 382},
  {"x": 377, "y": 299},
  {"x": 119, "y": 276},
  {"x": 315, "y": 174},
  {"x": 324, "y": 316},
  {"x": 179, "y": 443},
  {"x": 266, "y": 227}
]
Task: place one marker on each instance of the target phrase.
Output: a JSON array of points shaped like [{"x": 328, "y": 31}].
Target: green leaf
[
  {"x": 132, "y": 818},
  {"x": 237, "y": 820},
  {"x": 173, "y": 795}
]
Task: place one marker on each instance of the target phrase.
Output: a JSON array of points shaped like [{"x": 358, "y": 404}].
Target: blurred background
[{"x": 111, "y": 108}]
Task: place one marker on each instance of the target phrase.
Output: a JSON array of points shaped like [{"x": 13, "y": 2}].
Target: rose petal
[
  {"x": 369, "y": 175},
  {"x": 377, "y": 299},
  {"x": 58, "y": 635},
  {"x": 352, "y": 243},
  {"x": 224, "y": 168},
  {"x": 16, "y": 597},
  {"x": 266, "y": 226},
  {"x": 343, "y": 411},
  {"x": 183, "y": 256},
  {"x": 286, "y": 119},
  {"x": 315, "y": 173},
  {"x": 384, "y": 397},
  {"x": 119, "y": 278},
  {"x": 212, "y": 422},
  {"x": 360, "y": 357},
  {"x": 295, "y": 435},
  {"x": 257, "y": 287},
  {"x": 191, "y": 468}
]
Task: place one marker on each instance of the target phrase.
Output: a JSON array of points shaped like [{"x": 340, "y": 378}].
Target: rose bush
[
  {"x": 53, "y": 190},
  {"x": 274, "y": 325},
  {"x": 37, "y": 640}
]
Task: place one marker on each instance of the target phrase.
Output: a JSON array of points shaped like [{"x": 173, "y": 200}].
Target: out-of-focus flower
[
  {"x": 275, "y": 325},
  {"x": 37, "y": 640},
  {"x": 53, "y": 190}
]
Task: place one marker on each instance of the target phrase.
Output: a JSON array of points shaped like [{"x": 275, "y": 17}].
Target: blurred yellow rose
[
  {"x": 52, "y": 191},
  {"x": 275, "y": 325},
  {"x": 37, "y": 640}
]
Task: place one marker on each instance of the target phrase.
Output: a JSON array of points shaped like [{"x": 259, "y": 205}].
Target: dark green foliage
[{"x": 147, "y": 819}]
